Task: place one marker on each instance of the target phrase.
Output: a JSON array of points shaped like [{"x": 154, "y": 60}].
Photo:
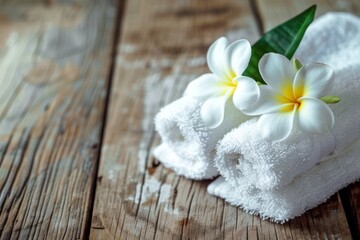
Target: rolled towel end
[
  {"x": 244, "y": 152},
  {"x": 184, "y": 140},
  {"x": 182, "y": 130}
]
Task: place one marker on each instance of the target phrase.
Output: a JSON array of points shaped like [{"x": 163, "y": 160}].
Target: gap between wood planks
[
  {"x": 350, "y": 212},
  {"x": 120, "y": 6},
  {"x": 257, "y": 16}
]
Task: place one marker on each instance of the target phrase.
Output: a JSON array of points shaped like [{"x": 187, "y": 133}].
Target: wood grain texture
[
  {"x": 162, "y": 48},
  {"x": 53, "y": 74}
]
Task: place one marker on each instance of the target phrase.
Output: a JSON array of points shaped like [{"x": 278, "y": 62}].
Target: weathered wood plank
[
  {"x": 54, "y": 66},
  {"x": 162, "y": 48}
]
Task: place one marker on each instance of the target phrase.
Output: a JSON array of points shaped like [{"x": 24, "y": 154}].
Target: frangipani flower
[
  {"x": 292, "y": 97},
  {"x": 226, "y": 62}
]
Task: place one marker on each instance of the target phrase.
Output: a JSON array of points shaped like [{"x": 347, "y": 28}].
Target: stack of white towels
[{"x": 275, "y": 180}]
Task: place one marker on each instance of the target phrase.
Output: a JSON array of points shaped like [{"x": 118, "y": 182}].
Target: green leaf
[
  {"x": 330, "y": 99},
  {"x": 283, "y": 39}
]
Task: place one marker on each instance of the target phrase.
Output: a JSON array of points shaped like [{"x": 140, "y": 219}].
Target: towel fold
[
  {"x": 188, "y": 146},
  {"x": 245, "y": 153},
  {"x": 305, "y": 192}
]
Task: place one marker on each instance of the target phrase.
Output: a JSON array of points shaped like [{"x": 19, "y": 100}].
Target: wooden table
[{"x": 80, "y": 85}]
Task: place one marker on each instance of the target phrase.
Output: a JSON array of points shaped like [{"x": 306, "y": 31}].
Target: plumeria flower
[
  {"x": 292, "y": 97},
  {"x": 226, "y": 62}
]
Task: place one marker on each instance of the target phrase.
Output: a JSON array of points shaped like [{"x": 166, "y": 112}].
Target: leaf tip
[
  {"x": 313, "y": 7},
  {"x": 312, "y": 10}
]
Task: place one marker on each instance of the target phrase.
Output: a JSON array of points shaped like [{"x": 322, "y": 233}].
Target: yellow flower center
[
  {"x": 229, "y": 83},
  {"x": 290, "y": 96}
]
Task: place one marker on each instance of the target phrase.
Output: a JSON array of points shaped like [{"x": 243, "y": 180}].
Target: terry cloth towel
[
  {"x": 339, "y": 47},
  {"x": 188, "y": 146},
  {"x": 244, "y": 153},
  {"x": 305, "y": 192}
]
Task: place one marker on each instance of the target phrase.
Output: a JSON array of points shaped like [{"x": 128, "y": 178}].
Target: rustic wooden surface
[
  {"x": 80, "y": 85},
  {"x": 54, "y": 74}
]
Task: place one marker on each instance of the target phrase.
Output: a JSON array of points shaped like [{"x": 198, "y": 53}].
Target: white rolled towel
[
  {"x": 306, "y": 191},
  {"x": 244, "y": 152},
  {"x": 188, "y": 146}
]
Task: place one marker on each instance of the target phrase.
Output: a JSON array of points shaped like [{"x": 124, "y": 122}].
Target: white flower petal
[
  {"x": 314, "y": 116},
  {"x": 277, "y": 126},
  {"x": 277, "y": 71},
  {"x": 246, "y": 94},
  {"x": 268, "y": 102},
  {"x": 204, "y": 86},
  {"x": 216, "y": 57},
  {"x": 213, "y": 110},
  {"x": 237, "y": 56},
  {"x": 313, "y": 80}
]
